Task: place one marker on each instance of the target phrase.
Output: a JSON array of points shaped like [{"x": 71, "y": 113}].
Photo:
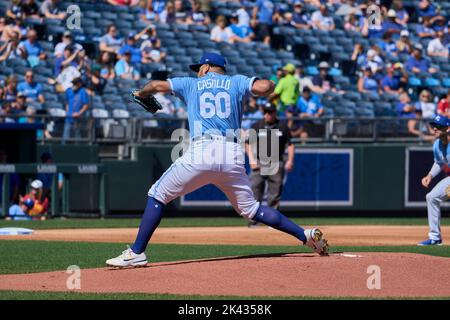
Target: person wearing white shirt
[
  {"x": 438, "y": 46},
  {"x": 221, "y": 33}
]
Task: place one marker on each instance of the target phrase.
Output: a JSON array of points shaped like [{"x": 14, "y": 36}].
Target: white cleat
[
  {"x": 128, "y": 259},
  {"x": 316, "y": 241}
]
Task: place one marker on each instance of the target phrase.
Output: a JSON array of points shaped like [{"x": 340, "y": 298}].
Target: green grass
[
  {"x": 28, "y": 295},
  {"x": 59, "y": 223},
  {"x": 38, "y": 256}
]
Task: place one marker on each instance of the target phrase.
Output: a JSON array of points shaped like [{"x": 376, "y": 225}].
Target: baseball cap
[
  {"x": 67, "y": 34},
  {"x": 298, "y": 3},
  {"x": 391, "y": 13},
  {"x": 269, "y": 107},
  {"x": 36, "y": 184},
  {"x": 418, "y": 46},
  {"x": 45, "y": 156},
  {"x": 289, "y": 67},
  {"x": 371, "y": 53},
  {"x": 29, "y": 203},
  {"x": 404, "y": 33},
  {"x": 440, "y": 121},
  {"x": 209, "y": 58},
  {"x": 131, "y": 35},
  {"x": 261, "y": 101},
  {"x": 324, "y": 65}
]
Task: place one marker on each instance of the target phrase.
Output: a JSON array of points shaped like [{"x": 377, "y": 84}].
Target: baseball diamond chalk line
[
  {"x": 362, "y": 235},
  {"x": 291, "y": 275}
]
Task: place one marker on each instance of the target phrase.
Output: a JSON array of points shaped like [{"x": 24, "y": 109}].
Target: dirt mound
[{"x": 339, "y": 275}]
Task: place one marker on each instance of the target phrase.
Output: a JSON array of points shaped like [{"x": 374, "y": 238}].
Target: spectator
[
  {"x": 151, "y": 51},
  {"x": 372, "y": 29},
  {"x": 9, "y": 31},
  {"x": 96, "y": 83},
  {"x": 404, "y": 43},
  {"x": 65, "y": 78},
  {"x": 20, "y": 105},
  {"x": 180, "y": 12},
  {"x": 395, "y": 80},
  {"x": 425, "y": 30},
  {"x": 49, "y": 9},
  {"x": 68, "y": 59},
  {"x": 262, "y": 19},
  {"x": 426, "y": 9},
  {"x": 300, "y": 19},
  {"x": 31, "y": 88},
  {"x": 168, "y": 107},
  {"x": 147, "y": 14},
  {"x": 21, "y": 211},
  {"x": 14, "y": 10},
  {"x": 77, "y": 104},
  {"x": 425, "y": 105},
  {"x": 438, "y": 47},
  {"x": 105, "y": 61},
  {"x": 30, "y": 117},
  {"x": 168, "y": 14},
  {"x": 351, "y": 23},
  {"x": 243, "y": 16},
  {"x": 6, "y": 113},
  {"x": 367, "y": 82},
  {"x": 358, "y": 54},
  {"x": 278, "y": 74},
  {"x": 322, "y": 20},
  {"x": 67, "y": 40},
  {"x": 30, "y": 9},
  {"x": 286, "y": 89},
  {"x": 390, "y": 24},
  {"x": 308, "y": 106},
  {"x": 402, "y": 15},
  {"x": 110, "y": 42},
  {"x": 252, "y": 111},
  {"x": 388, "y": 46},
  {"x": 323, "y": 82},
  {"x": 221, "y": 33},
  {"x": 443, "y": 107},
  {"x": 406, "y": 110},
  {"x": 10, "y": 92},
  {"x": 31, "y": 50},
  {"x": 6, "y": 50},
  {"x": 125, "y": 69},
  {"x": 197, "y": 16},
  {"x": 241, "y": 33},
  {"x": 373, "y": 61},
  {"x": 303, "y": 80},
  {"x": 418, "y": 64},
  {"x": 135, "y": 52}
]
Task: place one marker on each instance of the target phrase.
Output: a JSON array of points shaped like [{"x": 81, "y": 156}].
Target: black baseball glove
[{"x": 149, "y": 103}]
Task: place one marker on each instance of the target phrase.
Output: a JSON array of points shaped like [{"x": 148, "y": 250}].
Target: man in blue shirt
[
  {"x": 77, "y": 104},
  {"x": 391, "y": 25},
  {"x": 242, "y": 33},
  {"x": 391, "y": 82},
  {"x": 309, "y": 105},
  {"x": 31, "y": 89},
  {"x": 31, "y": 50},
  {"x": 135, "y": 51},
  {"x": 262, "y": 19},
  {"x": 416, "y": 63}
]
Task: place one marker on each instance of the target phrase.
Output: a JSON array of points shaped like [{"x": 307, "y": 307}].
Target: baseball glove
[{"x": 149, "y": 103}]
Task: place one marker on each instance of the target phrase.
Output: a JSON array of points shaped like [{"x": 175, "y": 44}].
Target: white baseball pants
[
  {"x": 209, "y": 161},
  {"x": 434, "y": 199}
]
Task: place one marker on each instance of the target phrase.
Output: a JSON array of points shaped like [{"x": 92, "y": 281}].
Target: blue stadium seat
[
  {"x": 432, "y": 82},
  {"x": 344, "y": 112},
  {"x": 446, "y": 82}
]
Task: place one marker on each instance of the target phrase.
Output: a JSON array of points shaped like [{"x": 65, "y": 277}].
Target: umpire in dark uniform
[{"x": 263, "y": 133}]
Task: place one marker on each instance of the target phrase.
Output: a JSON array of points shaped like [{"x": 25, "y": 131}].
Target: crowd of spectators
[{"x": 379, "y": 68}]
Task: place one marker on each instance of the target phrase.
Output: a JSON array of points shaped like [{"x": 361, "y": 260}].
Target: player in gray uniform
[{"x": 441, "y": 191}]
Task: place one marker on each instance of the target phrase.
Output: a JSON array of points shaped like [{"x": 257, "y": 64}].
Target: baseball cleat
[
  {"x": 128, "y": 259},
  {"x": 316, "y": 241},
  {"x": 430, "y": 242}
]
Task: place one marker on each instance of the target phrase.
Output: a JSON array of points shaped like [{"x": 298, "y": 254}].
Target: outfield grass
[
  {"x": 61, "y": 223},
  {"x": 39, "y": 256},
  {"x": 28, "y": 295}
]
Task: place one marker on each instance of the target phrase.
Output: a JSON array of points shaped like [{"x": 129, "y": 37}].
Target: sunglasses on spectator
[
  {"x": 439, "y": 127},
  {"x": 269, "y": 111}
]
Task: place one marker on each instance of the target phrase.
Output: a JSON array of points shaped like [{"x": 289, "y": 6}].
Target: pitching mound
[{"x": 339, "y": 275}]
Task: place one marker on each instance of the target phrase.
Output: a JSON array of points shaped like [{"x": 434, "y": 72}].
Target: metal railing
[{"x": 157, "y": 129}]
